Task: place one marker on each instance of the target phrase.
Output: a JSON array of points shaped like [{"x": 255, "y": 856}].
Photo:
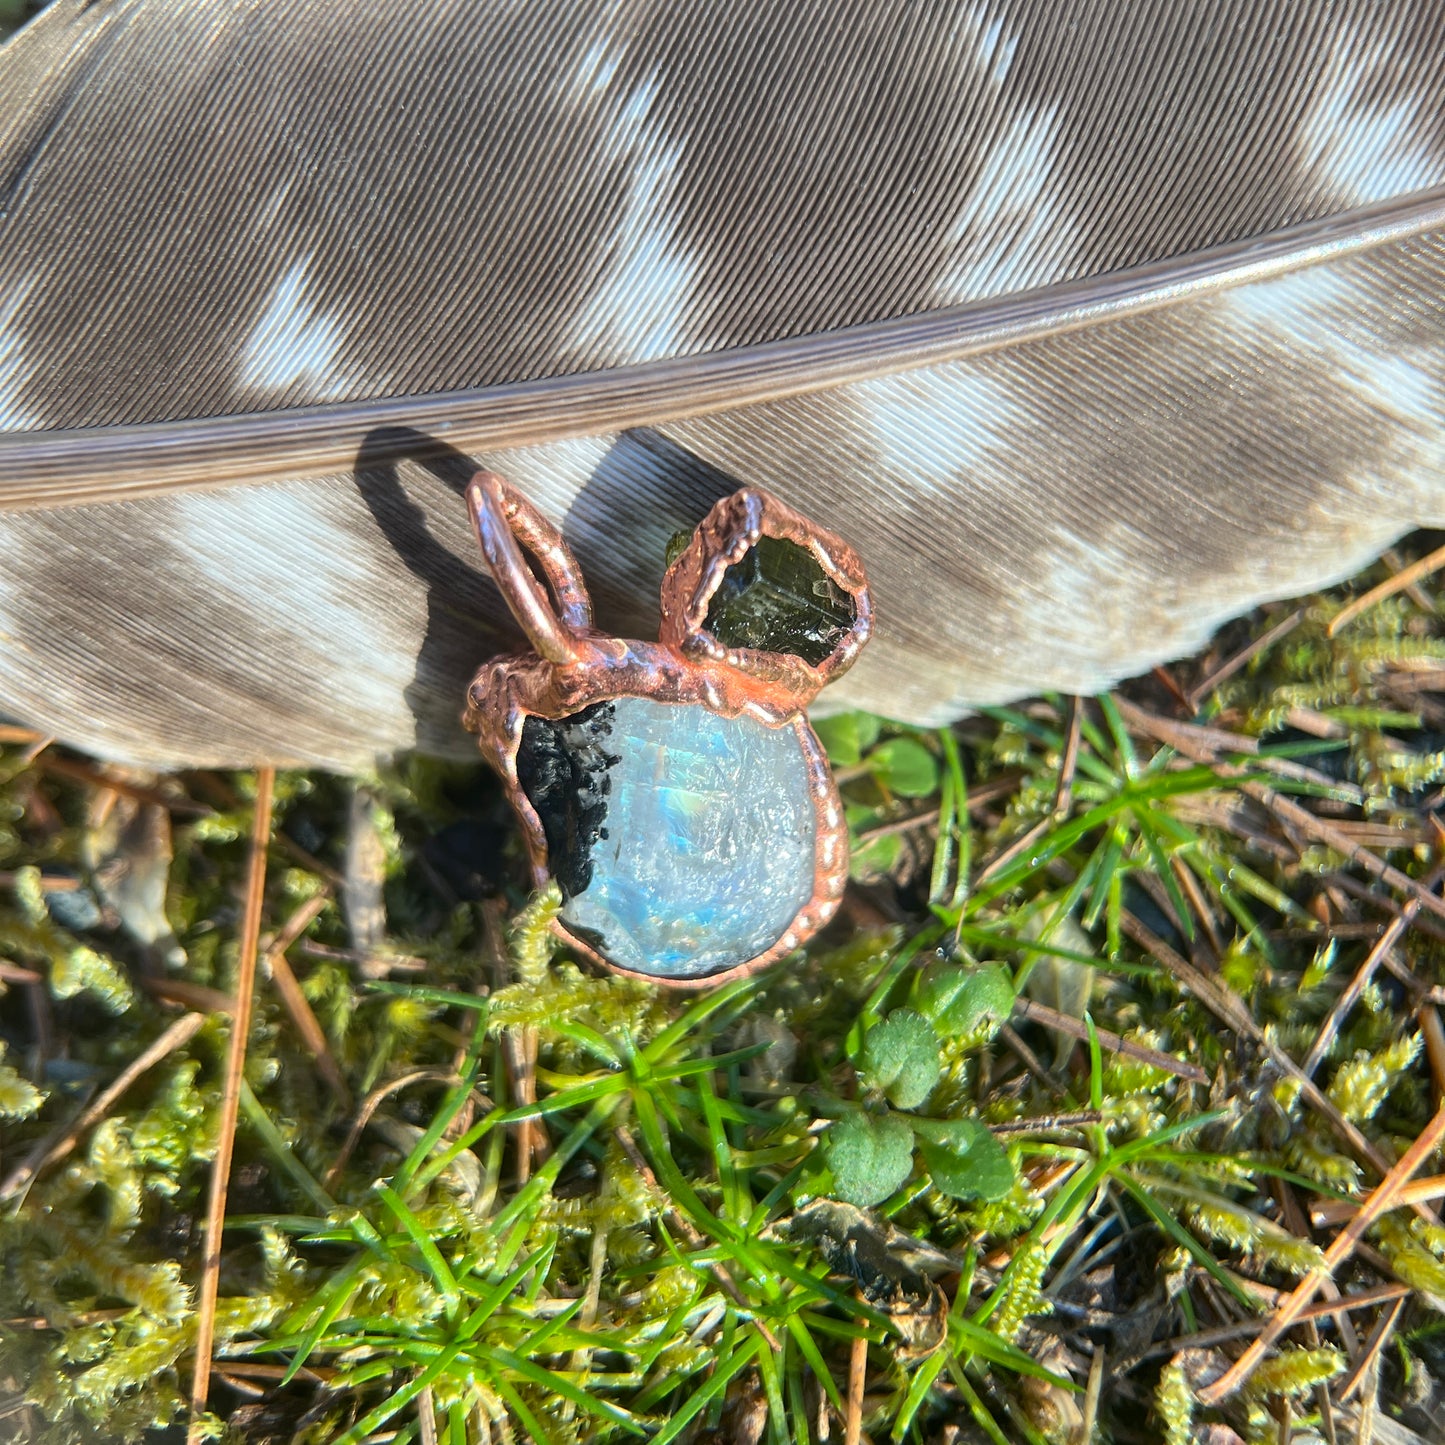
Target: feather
[{"x": 1090, "y": 326}]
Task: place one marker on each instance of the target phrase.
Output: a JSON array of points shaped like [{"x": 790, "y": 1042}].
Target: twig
[
  {"x": 1366, "y": 893},
  {"x": 1292, "y": 1216},
  {"x": 898, "y": 825},
  {"x": 41, "y": 744},
  {"x": 1030, "y": 1060},
  {"x": 1024, "y": 840},
  {"x": 1189, "y": 884},
  {"x": 1336, "y": 1211},
  {"x": 1046, "y": 1123},
  {"x": 1434, "y": 1036},
  {"x": 369, "y": 1106},
  {"x": 519, "y": 1051},
  {"x": 1315, "y": 724},
  {"x": 1005, "y": 785},
  {"x": 1369, "y": 1402},
  {"x": 1379, "y": 1338},
  {"x": 249, "y": 1370},
  {"x": 1230, "y": 1009},
  {"x": 426, "y": 1416},
  {"x": 98, "y": 778},
  {"x": 1289, "y": 812},
  {"x": 189, "y": 995},
  {"x": 239, "y": 1385},
  {"x": 1336, "y": 838},
  {"x": 49, "y": 883},
  {"x": 857, "y": 1372},
  {"x": 1064, "y": 1024},
  {"x": 48, "y": 1153},
  {"x": 1243, "y": 658},
  {"x": 1165, "y": 678},
  {"x": 1068, "y": 764},
  {"x": 1431, "y": 562},
  {"x": 1205, "y": 744},
  {"x": 1091, "y": 1395},
  {"x": 1384, "y": 1198},
  {"x": 1366, "y": 971},
  {"x": 230, "y": 1101},
  {"x": 307, "y": 1025},
  {"x": 1321, "y": 1309},
  {"x": 303, "y": 1016},
  {"x": 79, "y": 1317},
  {"x": 297, "y": 923},
  {"x": 1414, "y": 591}
]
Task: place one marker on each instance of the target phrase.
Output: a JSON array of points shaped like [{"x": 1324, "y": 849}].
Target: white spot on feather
[
  {"x": 1321, "y": 310},
  {"x": 14, "y": 369},
  {"x": 597, "y": 69},
  {"x": 639, "y": 104},
  {"x": 1013, "y": 228},
  {"x": 1365, "y": 150},
  {"x": 297, "y": 564},
  {"x": 295, "y": 344},
  {"x": 639, "y": 300},
  {"x": 996, "y": 50},
  {"x": 938, "y": 424}
]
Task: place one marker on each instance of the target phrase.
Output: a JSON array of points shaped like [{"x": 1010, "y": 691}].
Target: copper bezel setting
[{"x": 574, "y": 666}]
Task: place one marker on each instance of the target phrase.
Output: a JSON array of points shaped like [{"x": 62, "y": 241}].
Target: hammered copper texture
[{"x": 1089, "y": 325}]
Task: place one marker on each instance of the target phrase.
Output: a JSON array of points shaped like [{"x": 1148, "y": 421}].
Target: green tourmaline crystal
[{"x": 778, "y": 599}]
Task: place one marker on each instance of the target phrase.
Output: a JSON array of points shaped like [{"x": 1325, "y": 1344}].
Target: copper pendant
[{"x": 673, "y": 788}]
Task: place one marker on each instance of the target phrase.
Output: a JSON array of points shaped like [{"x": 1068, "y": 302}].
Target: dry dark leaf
[{"x": 889, "y": 1268}]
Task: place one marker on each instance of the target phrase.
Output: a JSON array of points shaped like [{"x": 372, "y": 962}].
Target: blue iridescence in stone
[{"x": 683, "y": 841}]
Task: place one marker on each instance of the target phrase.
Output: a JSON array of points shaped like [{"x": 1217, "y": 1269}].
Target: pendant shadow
[{"x": 643, "y": 491}]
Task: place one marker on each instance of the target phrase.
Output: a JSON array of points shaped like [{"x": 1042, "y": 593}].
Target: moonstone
[{"x": 683, "y": 842}]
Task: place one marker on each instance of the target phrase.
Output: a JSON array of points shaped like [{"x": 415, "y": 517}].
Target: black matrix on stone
[{"x": 562, "y": 767}]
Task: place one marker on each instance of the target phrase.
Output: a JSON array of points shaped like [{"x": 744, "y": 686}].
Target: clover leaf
[
  {"x": 963, "y": 1159},
  {"x": 900, "y": 1056},
  {"x": 905, "y": 767},
  {"x": 846, "y": 736},
  {"x": 968, "y": 1004},
  {"x": 870, "y": 1156}
]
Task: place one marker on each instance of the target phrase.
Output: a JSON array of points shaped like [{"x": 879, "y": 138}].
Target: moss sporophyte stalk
[{"x": 1100, "y": 1056}]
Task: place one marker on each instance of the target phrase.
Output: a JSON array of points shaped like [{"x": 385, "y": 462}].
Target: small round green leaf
[
  {"x": 968, "y": 1004},
  {"x": 846, "y": 736},
  {"x": 900, "y": 1056},
  {"x": 963, "y": 1159},
  {"x": 905, "y": 767},
  {"x": 870, "y": 1156},
  {"x": 878, "y": 855}
]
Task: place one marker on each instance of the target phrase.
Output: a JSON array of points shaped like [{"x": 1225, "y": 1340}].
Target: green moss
[{"x": 632, "y": 1273}]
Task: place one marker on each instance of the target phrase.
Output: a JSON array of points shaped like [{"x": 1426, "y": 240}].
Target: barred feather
[{"x": 1090, "y": 325}]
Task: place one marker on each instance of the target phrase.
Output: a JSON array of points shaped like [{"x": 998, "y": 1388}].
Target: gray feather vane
[{"x": 1090, "y": 325}]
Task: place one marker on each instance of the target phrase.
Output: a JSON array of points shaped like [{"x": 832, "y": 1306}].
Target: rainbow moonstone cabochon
[{"x": 683, "y": 841}]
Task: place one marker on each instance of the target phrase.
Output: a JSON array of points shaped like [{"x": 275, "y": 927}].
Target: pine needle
[
  {"x": 1384, "y": 1198},
  {"x": 230, "y": 1101},
  {"x": 1431, "y": 562}
]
